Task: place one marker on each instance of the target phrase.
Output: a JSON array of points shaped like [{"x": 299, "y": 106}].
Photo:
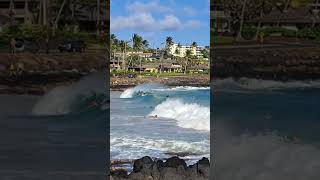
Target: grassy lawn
[{"x": 222, "y": 40}]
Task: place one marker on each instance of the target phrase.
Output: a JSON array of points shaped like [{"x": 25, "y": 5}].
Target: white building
[{"x": 180, "y": 51}]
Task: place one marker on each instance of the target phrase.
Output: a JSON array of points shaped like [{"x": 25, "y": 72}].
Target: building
[
  {"x": 19, "y": 11},
  {"x": 180, "y": 51},
  {"x": 220, "y": 20},
  {"x": 298, "y": 18}
]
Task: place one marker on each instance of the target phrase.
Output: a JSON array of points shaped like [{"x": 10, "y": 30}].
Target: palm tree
[
  {"x": 145, "y": 44},
  {"x": 137, "y": 46},
  {"x": 55, "y": 26},
  {"x": 194, "y": 44},
  {"x": 11, "y": 11},
  {"x": 186, "y": 60},
  {"x": 169, "y": 41}
]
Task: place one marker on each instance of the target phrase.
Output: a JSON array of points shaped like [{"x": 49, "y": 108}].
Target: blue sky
[{"x": 184, "y": 20}]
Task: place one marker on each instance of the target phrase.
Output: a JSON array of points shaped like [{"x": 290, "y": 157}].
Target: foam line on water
[
  {"x": 257, "y": 84},
  {"x": 136, "y": 147}
]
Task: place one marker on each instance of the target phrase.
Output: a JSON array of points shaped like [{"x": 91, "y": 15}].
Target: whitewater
[{"x": 181, "y": 126}]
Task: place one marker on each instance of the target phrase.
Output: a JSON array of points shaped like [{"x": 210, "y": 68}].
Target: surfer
[
  {"x": 93, "y": 104},
  {"x": 153, "y": 117}
]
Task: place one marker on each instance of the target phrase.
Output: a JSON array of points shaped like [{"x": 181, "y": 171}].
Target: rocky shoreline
[
  {"x": 27, "y": 73},
  {"x": 173, "y": 168},
  {"x": 120, "y": 84},
  {"x": 273, "y": 63}
]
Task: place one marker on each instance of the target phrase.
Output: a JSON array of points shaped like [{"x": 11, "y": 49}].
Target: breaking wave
[
  {"x": 184, "y": 88},
  {"x": 67, "y": 99},
  {"x": 140, "y": 89},
  {"x": 187, "y": 115}
]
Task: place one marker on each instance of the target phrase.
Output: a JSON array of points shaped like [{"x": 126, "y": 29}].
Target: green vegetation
[
  {"x": 56, "y": 21},
  {"x": 128, "y": 57}
]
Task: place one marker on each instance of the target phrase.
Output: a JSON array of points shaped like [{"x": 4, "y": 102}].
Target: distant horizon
[{"x": 154, "y": 20}]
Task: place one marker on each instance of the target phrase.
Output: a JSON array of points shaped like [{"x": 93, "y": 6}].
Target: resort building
[{"x": 181, "y": 51}]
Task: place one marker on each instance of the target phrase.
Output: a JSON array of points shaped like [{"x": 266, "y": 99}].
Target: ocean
[
  {"x": 266, "y": 129},
  {"x": 160, "y": 122}
]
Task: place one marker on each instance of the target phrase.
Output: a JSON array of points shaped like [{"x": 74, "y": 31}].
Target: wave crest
[
  {"x": 137, "y": 90},
  {"x": 187, "y": 115}
]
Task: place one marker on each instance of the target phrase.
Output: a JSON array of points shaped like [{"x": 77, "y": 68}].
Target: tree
[
  {"x": 185, "y": 61},
  {"x": 137, "y": 45},
  {"x": 194, "y": 44},
  {"x": 145, "y": 44},
  {"x": 205, "y": 53},
  {"x": 114, "y": 45},
  {"x": 55, "y": 26},
  {"x": 263, "y": 7},
  {"x": 169, "y": 41},
  {"x": 177, "y": 51}
]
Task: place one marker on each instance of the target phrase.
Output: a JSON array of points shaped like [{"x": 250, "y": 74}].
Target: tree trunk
[
  {"x": 284, "y": 10},
  {"x": 26, "y": 11},
  {"x": 55, "y": 27},
  {"x": 123, "y": 56},
  {"x": 118, "y": 62},
  {"x": 239, "y": 37},
  {"x": 72, "y": 12},
  {"x": 98, "y": 18},
  {"x": 259, "y": 25},
  {"x": 11, "y": 11},
  {"x": 40, "y": 12},
  {"x": 44, "y": 6},
  {"x": 140, "y": 64}
]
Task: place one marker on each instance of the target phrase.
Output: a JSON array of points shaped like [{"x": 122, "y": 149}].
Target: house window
[{"x": 4, "y": 5}]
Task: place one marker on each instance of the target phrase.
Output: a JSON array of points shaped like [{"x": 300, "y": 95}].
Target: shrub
[
  {"x": 248, "y": 33},
  {"x": 283, "y": 31}
]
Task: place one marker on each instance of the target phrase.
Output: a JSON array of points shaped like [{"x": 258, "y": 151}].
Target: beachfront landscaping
[{"x": 137, "y": 58}]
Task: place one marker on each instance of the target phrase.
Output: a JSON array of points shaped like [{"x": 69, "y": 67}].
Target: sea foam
[{"x": 187, "y": 115}]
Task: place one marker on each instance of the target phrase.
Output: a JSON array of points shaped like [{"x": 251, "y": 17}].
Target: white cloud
[
  {"x": 145, "y": 22},
  {"x": 192, "y": 24},
  {"x": 153, "y": 6},
  {"x": 189, "y": 11},
  {"x": 170, "y": 22}
]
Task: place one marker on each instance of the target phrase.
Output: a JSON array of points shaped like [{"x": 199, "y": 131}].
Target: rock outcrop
[
  {"x": 173, "y": 168},
  {"x": 27, "y": 73}
]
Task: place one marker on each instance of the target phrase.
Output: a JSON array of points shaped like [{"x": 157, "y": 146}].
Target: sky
[{"x": 184, "y": 20}]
